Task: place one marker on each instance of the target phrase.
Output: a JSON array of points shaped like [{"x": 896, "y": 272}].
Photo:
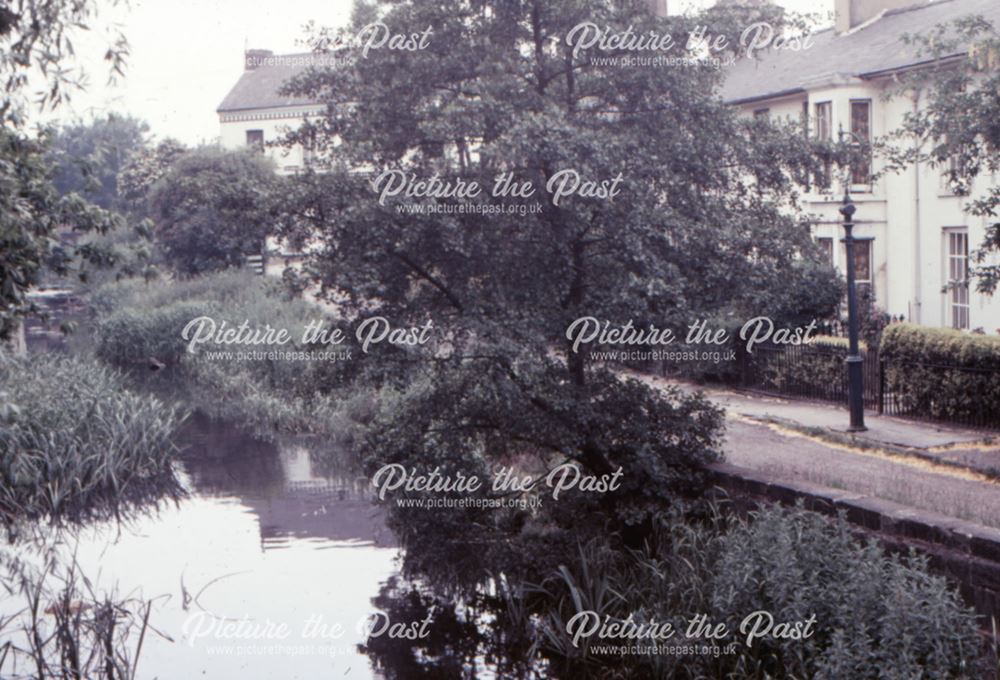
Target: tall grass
[
  {"x": 136, "y": 322},
  {"x": 76, "y": 444},
  {"x": 63, "y": 628}
]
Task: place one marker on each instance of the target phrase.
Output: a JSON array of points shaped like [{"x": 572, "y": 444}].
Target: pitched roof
[
  {"x": 865, "y": 51},
  {"x": 259, "y": 88}
]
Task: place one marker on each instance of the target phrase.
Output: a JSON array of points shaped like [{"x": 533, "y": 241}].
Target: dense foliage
[
  {"x": 139, "y": 326},
  {"x": 942, "y": 373},
  {"x": 36, "y": 47},
  {"x": 76, "y": 444},
  {"x": 877, "y": 616},
  {"x": 88, "y": 157},
  {"x": 144, "y": 168},
  {"x": 212, "y": 208},
  {"x": 701, "y": 224},
  {"x": 32, "y": 217}
]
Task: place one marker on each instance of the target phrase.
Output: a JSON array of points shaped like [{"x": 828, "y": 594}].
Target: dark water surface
[
  {"x": 262, "y": 542},
  {"x": 270, "y": 568}
]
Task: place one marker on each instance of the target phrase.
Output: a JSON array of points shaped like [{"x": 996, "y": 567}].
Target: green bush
[
  {"x": 659, "y": 441},
  {"x": 214, "y": 207},
  {"x": 76, "y": 444},
  {"x": 229, "y": 287},
  {"x": 878, "y": 617},
  {"x": 132, "y": 336},
  {"x": 942, "y": 373},
  {"x": 135, "y": 322}
]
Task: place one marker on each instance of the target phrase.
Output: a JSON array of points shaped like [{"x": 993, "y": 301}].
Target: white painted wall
[
  {"x": 906, "y": 213},
  {"x": 274, "y": 123}
]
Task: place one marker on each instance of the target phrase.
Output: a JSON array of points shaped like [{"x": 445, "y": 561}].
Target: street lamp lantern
[{"x": 855, "y": 374}]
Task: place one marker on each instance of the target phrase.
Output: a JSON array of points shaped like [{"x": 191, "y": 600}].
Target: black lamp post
[{"x": 855, "y": 375}]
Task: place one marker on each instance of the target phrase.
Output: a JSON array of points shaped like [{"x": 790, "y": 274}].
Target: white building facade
[
  {"x": 255, "y": 113},
  {"x": 915, "y": 236}
]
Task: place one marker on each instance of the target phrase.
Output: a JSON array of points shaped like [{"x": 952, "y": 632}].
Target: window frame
[
  {"x": 866, "y": 185},
  {"x": 255, "y": 145},
  {"x": 826, "y": 243},
  {"x": 863, "y": 242},
  {"x": 958, "y": 301},
  {"x": 824, "y": 133}
]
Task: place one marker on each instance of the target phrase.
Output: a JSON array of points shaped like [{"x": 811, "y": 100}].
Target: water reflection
[
  {"x": 265, "y": 570},
  {"x": 278, "y": 483},
  {"x": 267, "y": 539},
  {"x": 470, "y": 637}
]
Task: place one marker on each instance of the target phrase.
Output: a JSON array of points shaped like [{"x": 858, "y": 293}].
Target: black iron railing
[{"x": 808, "y": 372}]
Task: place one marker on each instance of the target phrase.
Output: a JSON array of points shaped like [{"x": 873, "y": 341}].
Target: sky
[{"x": 187, "y": 54}]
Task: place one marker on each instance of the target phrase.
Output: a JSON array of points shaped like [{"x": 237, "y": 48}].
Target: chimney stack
[
  {"x": 254, "y": 58},
  {"x": 852, "y": 13},
  {"x": 658, "y": 7}
]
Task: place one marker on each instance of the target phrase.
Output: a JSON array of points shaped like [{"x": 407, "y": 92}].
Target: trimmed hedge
[
  {"x": 835, "y": 342},
  {"x": 942, "y": 373}
]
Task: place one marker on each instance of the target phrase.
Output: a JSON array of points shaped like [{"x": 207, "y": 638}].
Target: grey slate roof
[
  {"x": 258, "y": 89},
  {"x": 863, "y": 52},
  {"x": 866, "y": 51}
]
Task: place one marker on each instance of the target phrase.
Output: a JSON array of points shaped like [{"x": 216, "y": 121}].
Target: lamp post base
[{"x": 855, "y": 398}]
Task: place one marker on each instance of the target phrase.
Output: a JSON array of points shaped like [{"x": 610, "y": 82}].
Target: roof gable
[{"x": 258, "y": 88}]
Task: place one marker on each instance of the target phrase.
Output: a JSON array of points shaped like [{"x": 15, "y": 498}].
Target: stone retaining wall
[{"x": 966, "y": 552}]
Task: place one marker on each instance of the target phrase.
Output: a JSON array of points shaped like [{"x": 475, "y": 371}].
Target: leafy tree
[
  {"x": 36, "y": 38},
  {"x": 957, "y": 127},
  {"x": 89, "y": 156},
  {"x": 703, "y": 226},
  {"x": 144, "y": 167},
  {"x": 212, "y": 208},
  {"x": 32, "y": 215},
  {"x": 36, "y": 41}
]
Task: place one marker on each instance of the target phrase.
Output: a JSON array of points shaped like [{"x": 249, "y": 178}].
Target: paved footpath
[{"x": 952, "y": 471}]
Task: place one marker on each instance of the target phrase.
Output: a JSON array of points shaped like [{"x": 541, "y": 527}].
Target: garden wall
[{"x": 967, "y": 553}]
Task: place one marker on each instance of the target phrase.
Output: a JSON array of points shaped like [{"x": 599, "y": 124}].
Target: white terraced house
[
  {"x": 914, "y": 235},
  {"x": 255, "y": 113}
]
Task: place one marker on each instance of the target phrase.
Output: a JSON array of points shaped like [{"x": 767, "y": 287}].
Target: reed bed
[
  {"x": 55, "y": 625},
  {"x": 76, "y": 444}
]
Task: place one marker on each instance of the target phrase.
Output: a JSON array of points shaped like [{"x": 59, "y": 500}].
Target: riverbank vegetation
[
  {"x": 139, "y": 327},
  {"x": 700, "y": 225},
  {"x": 711, "y": 235},
  {"x": 77, "y": 444},
  {"x": 68, "y": 629},
  {"x": 875, "y": 616}
]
